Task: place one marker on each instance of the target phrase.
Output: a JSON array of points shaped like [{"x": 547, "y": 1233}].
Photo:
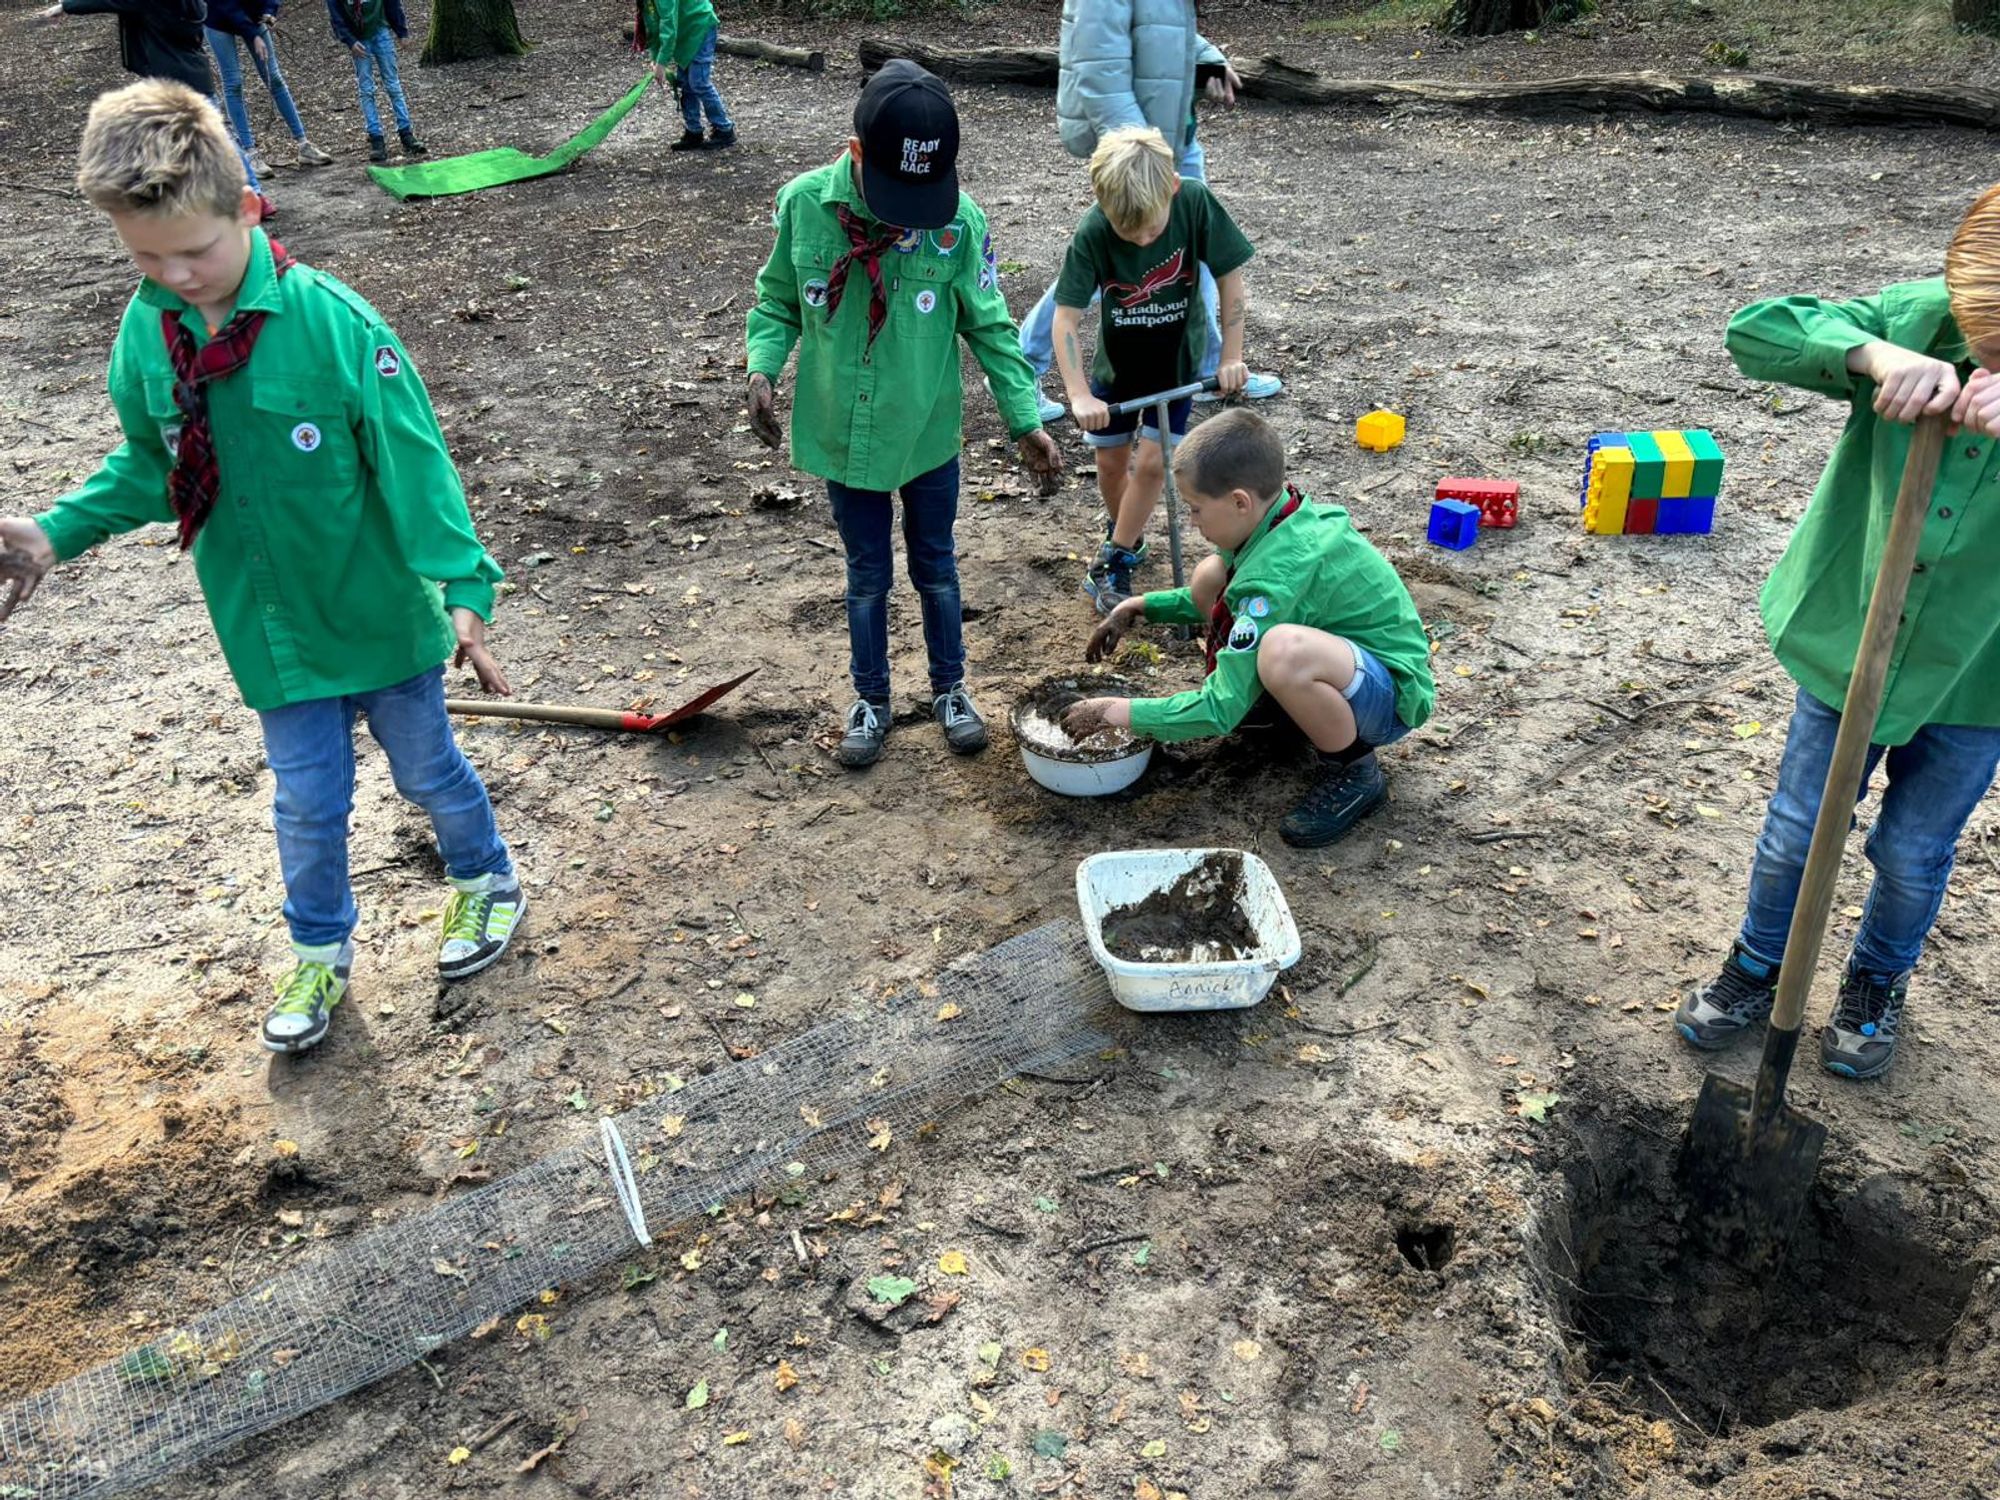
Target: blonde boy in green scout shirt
[
  {"x": 273, "y": 417},
  {"x": 881, "y": 266},
  {"x": 1298, "y": 606},
  {"x": 1914, "y": 348}
]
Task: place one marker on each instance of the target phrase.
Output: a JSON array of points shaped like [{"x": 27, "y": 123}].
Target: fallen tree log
[
  {"x": 1752, "y": 95},
  {"x": 771, "y": 52}
]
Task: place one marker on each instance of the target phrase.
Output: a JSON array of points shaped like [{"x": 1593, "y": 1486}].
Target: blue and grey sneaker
[
  {"x": 1142, "y": 552},
  {"x": 479, "y": 922},
  {"x": 1109, "y": 581},
  {"x": 1735, "y": 1001},
  {"x": 1257, "y": 388},
  {"x": 1860, "y": 1040},
  {"x": 304, "y": 1008},
  {"x": 1340, "y": 797},
  {"x": 964, "y": 730},
  {"x": 866, "y": 728}
]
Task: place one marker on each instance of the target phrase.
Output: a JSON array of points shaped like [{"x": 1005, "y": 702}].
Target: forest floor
[{"x": 1403, "y": 1230}]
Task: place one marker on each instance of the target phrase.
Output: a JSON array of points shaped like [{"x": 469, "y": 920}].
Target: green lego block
[
  {"x": 1707, "y": 463},
  {"x": 1649, "y": 466}
]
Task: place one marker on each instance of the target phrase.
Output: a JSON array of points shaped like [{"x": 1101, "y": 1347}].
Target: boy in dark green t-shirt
[{"x": 1140, "y": 250}]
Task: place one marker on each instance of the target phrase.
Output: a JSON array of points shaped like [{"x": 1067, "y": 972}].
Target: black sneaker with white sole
[
  {"x": 964, "y": 730},
  {"x": 304, "y": 1007},
  {"x": 1860, "y": 1040},
  {"x": 1737, "y": 1000}
]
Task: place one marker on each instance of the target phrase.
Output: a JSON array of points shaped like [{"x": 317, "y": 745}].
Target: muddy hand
[
  {"x": 764, "y": 413},
  {"x": 25, "y": 557},
  {"x": 1111, "y": 630},
  {"x": 471, "y": 632},
  {"x": 1043, "y": 459},
  {"x": 1081, "y": 720}
]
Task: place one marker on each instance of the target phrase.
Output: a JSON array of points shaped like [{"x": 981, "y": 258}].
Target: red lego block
[
  {"x": 1641, "y": 516},
  {"x": 1499, "y": 500}
]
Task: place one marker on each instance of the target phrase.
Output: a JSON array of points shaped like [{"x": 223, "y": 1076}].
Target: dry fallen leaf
[
  {"x": 1035, "y": 1359},
  {"x": 786, "y": 1377},
  {"x": 1246, "y": 1349},
  {"x": 952, "y": 1263},
  {"x": 949, "y": 1013},
  {"x": 879, "y": 1140}
]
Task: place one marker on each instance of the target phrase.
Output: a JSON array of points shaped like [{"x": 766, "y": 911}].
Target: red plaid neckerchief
[
  {"x": 194, "y": 481},
  {"x": 869, "y": 250},
  {"x": 1220, "y": 620}
]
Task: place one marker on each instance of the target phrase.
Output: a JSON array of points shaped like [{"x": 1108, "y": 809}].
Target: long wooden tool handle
[
  {"x": 549, "y": 713},
  {"x": 1857, "y": 726}
]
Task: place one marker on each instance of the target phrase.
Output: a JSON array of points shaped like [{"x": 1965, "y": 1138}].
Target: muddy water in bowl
[
  {"x": 1038, "y": 719},
  {"x": 1198, "y": 919}
]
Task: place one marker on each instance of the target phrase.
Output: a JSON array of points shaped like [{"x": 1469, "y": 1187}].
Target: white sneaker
[
  {"x": 311, "y": 156},
  {"x": 259, "y": 166},
  {"x": 479, "y": 922}
]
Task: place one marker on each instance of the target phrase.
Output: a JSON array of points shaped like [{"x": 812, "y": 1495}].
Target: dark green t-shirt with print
[{"x": 1151, "y": 330}]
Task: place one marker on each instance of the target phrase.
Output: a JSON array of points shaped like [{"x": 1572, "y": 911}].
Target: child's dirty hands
[
  {"x": 1907, "y": 384},
  {"x": 1231, "y": 378},
  {"x": 25, "y": 556},
  {"x": 1111, "y": 630},
  {"x": 1043, "y": 459},
  {"x": 471, "y": 632},
  {"x": 764, "y": 413},
  {"x": 1083, "y": 719},
  {"x": 1977, "y": 409},
  {"x": 1089, "y": 414}
]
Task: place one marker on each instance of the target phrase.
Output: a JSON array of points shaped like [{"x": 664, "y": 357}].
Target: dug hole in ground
[{"x": 1403, "y": 1230}]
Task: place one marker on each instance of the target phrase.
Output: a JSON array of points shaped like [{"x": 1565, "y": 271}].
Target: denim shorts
[
  {"x": 1372, "y": 696},
  {"x": 1117, "y": 433}
]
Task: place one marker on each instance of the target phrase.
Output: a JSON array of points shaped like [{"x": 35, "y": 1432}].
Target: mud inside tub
[
  {"x": 1038, "y": 720},
  {"x": 1198, "y": 919}
]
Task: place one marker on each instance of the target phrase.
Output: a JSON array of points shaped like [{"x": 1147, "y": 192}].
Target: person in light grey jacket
[{"x": 1135, "y": 62}]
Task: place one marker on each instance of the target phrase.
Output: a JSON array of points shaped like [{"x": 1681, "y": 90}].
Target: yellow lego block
[
  {"x": 1610, "y": 491},
  {"x": 1380, "y": 430},
  {"x": 1679, "y": 483}
]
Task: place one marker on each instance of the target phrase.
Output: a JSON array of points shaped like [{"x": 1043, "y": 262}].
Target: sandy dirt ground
[{"x": 1404, "y": 1230}]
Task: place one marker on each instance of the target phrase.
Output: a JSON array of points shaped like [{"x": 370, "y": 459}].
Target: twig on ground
[
  {"x": 1367, "y": 963},
  {"x": 1106, "y": 1244},
  {"x": 492, "y": 1434},
  {"x": 1350, "y": 1030},
  {"x": 1097, "y": 1174},
  {"x": 1502, "y": 835}
]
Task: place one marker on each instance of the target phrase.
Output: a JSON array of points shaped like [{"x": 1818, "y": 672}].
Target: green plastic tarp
[{"x": 485, "y": 169}]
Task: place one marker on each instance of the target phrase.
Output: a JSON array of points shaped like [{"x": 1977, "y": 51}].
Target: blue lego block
[
  {"x": 1454, "y": 524},
  {"x": 1690, "y": 517}
]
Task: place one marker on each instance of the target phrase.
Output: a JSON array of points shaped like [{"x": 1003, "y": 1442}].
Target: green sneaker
[
  {"x": 479, "y": 923},
  {"x": 304, "y": 1008}
]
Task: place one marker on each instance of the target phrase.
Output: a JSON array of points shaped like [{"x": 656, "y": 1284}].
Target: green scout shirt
[
  {"x": 1313, "y": 569},
  {"x": 339, "y": 511},
  {"x": 674, "y": 29},
  {"x": 1151, "y": 331},
  {"x": 1946, "y": 665},
  {"x": 873, "y": 419}
]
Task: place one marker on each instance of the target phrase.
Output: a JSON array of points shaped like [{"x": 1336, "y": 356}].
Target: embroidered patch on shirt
[
  {"x": 305, "y": 437},
  {"x": 1259, "y": 606},
  {"x": 946, "y": 240},
  {"x": 816, "y": 293},
  {"x": 1242, "y": 635},
  {"x": 989, "y": 266},
  {"x": 388, "y": 364},
  {"x": 911, "y": 239},
  {"x": 170, "y": 434},
  {"x": 926, "y": 301}
]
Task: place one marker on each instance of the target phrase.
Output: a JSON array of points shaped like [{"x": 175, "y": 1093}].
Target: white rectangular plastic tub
[{"x": 1105, "y": 882}]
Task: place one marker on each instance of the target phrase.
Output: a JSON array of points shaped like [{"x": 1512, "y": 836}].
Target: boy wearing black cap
[{"x": 880, "y": 266}]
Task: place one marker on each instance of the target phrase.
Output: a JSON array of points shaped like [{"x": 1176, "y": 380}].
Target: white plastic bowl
[
  {"x": 1107, "y": 882},
  {"x": 1087, "y": 778}
]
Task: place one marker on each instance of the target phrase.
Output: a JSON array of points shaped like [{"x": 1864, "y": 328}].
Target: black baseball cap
[{"x": 908, "y": 128}]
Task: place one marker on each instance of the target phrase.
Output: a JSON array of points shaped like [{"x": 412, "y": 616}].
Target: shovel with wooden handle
[
  {"x": 1749, "y": 1161},
  {"x": 595, "y": 718}
]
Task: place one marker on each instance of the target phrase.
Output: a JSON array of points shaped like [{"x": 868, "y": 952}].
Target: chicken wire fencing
[{"x": 356, "y": 1312}]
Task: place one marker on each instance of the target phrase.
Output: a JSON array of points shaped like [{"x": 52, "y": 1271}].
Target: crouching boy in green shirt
[
  {"x": 1915, "y": 348},
  {"x": 1298, "y": 607},
  {"x": 272, "y": 416},
  {"x": 881, "y": 266}
]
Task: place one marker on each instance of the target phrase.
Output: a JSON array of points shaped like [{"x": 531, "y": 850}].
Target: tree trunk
[
  {"x": 1977, "y": 15},
  {"x": 464, "y": 29},
  {"x": 1492, "y": 17},
  {"x": 1748, "y": 94}
]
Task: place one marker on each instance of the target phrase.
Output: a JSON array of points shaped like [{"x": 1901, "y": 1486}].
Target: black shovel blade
[{"x": 1747, "y": 1183}]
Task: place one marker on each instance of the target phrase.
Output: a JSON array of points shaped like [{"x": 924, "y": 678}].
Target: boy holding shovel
[{"x": 1915, "y": 349}]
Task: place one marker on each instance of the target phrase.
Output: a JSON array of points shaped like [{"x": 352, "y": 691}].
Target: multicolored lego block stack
[{"x": 1648, "y": 483}]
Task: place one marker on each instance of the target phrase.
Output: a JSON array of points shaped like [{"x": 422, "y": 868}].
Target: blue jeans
[
  {"x": 229, "y": 66},
  {"x": 930, "y": 508},
  {"x": 1935, "y": 781},
  {"x": 310, "y": 748},
  {"x": 381, "y": 56},
  {"x": 698, "y": 91},
  {"x": 1038, "y": 328}
]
